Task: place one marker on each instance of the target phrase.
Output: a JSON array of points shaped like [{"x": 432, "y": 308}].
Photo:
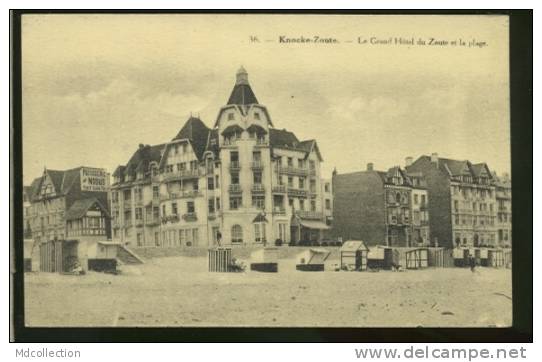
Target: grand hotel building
[{"x": 241, "y": 182}]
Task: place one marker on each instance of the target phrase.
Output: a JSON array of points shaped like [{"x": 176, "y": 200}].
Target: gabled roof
[
  {"x": 197, "y": 133},
  {"x": 282, "y": 138},
  {"x": 56, "y": 178},
  {"x": 396, "y": 170},
  {"x": 80, "y": 207},
  {"x": 450, "y": 166},
  {"x": 478, "y": 168},
  {"x": 140, "y": 160},
  {"x": 456, "y": 167}
]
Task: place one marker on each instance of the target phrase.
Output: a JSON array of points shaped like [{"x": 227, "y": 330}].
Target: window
[
  {"x": 193, "y": 165},
  {"x": 174, "y": 208},
  {"x": 313, "y": 185},
  {"x": 235, "y": 178},
  {"x": 257, "y": 178},
  {"x": 185, "y": 147},
  {"x": 182, "y": 166},
  {"x": 301, "y": 204},
  {"x": 127, "y": 195},
  {"x": 234, "y": 156},
  {"x": 235, "y": 202},
  {"x": 259, "y": 233},
  {"x": 291, "y": 202},
  {"x": 328, "y": 204},
  {"x": 258, "y": 202},
  {"x": 155, "y": 192},
  {"x": 163, "y": 210},
  {"x": 290, "y": 161},
  {"x": 231, "y": 116},
  {"x": 300, "y": 163},
  {"x": 155, "y": 212},
  {"x": 218, "y": 203},
  {"x": 176, "y": 149},
  {"x": 301, "y": 183},
  {"x": 211, "y": 206},
  {"x": 138, "y": 213},
  {"x": 139, "y": 239},
  {"x": 210, "y": 183},
  {"x": 313, "y": 205},
  {"x": 327, "y": 187},
  {"x": 416, "y": 199},
  {"x": 139, "y": 194},
  {"x": 456, "y": 205},
  {"x": 398, "y": 197},
  {"x": 256, "y": 156},
  {"x": 312, "y": 165},
  {"x": 179, "y": 167},
  {"x": 290, "y": 181},
  {"x": 257, "y": 116},
  {"x": 236, "y": 234},
  {"x": 216, "y": 182},
  {"x": 190, "y": 207}
]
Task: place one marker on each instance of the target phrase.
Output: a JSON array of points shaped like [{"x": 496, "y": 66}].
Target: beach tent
[
  {"x": 312, "y": 259},
  {"x": 265, "y": 260},
  {"x": 353, "y": 255}
]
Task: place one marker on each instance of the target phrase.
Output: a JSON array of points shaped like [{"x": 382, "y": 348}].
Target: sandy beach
[{"x": 178, "y": 291}]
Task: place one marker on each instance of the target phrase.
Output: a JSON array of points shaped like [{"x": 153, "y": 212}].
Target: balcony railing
[
  {"x": 297, "y": 192},
  {"x": 180, "y": 175},
  {"x": 262, "y": 142},
  {"x": 314, "y": 215},
  {"x": 279, "y": 210},
  {"x": 279, "y": 189},
  {"x": 258, "y": 188},
  {"x": 190, "y": 216},
  {"x": 257, "y": 165},
  {"x": 181, "y": 195},
  {"x": 170, "y": 218},
  {"x": 152, "y": 221},
  {"x": 291, "y": 170},
  {"x": 235, "y": 166},
  {"x": 235, "y": 188}
]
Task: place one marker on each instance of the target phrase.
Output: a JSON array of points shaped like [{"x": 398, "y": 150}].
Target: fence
[{"x": 220, "y": 260}]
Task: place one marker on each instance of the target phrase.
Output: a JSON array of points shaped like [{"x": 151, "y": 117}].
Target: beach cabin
[
  {"x": 496, "y": 258},
  {"x": 416, "y": 258},
  {"x": 380, "y": 257},
  {"x": 265, "y": 260},
  {"x": 220, "y": 260},
  {"x": 353, "y": 255},
  {"x": 312, "y": 259}
]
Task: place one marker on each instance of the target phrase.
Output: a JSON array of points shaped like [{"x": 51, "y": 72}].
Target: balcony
[
  {"x": 279, "y": 189},
  {"x": 257, "y": 165},
  {"x": 312, "y": 172},
  {"x": 262, "y": 142},
  {"x": 235, "y": 166},
  {"x": 313, "y": 215},
  {"x": 127, "y": 205},
  {"x": 235, "y": 189},
  {"x": 295, "y": 171},
  {"x": 258, "y": 189},
  {"x": 180, "y": 175},
  {"x": 170, "y": 218},
  {"x": 181, "y": 195},
  {"x": 279, "y": 210},
  {"x": 152, "y": 221},
  {"x": 190, "y": 216},
  {"x": 297, "y": 192}
]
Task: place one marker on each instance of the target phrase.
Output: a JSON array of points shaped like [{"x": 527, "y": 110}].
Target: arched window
[
  {"x": 236, "y": 234},
  {"x": 398, "y": 197}
]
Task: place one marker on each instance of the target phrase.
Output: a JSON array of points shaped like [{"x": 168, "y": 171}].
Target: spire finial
[{"x": 242, "y": 76}]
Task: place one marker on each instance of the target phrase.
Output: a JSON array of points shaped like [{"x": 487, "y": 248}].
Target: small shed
[
  {"x": 353, "y": 255},
  {"x": 496, "y": 258},
  {"x": 265, "y": 260},
  {"x": 416, "y": 258},
  {"x": 312, "y": 259},
  {"x": 220, "y": 260},
  {"x": 380, "y": 257}
]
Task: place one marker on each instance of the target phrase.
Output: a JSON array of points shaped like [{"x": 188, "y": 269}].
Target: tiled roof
[
  {"x": 242, "y": 94},
  {"x": 79, "y": 208},
  {"x": 140, "y": 160},
  {"x": 197, "y": 132},
  {"x": 282, "y": 138}
]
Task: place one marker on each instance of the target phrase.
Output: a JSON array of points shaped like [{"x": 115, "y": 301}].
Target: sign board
[{"x": 94, "y": 179}]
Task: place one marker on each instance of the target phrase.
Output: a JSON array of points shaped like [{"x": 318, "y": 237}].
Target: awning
[
  {"x": 232, "y": 129},
  {"x": 259, "y": 218},
  {"x": 256, "y": 129},
  {"x": 313, "y": 224}
]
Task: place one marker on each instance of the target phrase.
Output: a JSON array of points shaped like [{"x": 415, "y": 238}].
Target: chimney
[
  {"x": 141, "y": 145},
  {"x": 408, "y": 161},
  {"x": 370, "y": 166},
  {"x": 434, "y": 158}
]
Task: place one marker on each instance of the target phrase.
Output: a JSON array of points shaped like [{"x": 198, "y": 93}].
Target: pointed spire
[{"x": 242, "y": 76}]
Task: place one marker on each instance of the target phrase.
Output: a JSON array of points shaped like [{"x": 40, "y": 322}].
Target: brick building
[
  {"x": 377, "y": 207},
  {"x": 503, "y": 189},
  {"x": 461, "y": 201}
]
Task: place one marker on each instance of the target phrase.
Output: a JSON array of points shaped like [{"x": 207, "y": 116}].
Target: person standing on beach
[{"x": 472, "y": 263}]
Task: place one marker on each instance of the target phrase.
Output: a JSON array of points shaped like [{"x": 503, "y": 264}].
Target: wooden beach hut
[
  {"x": 353, "y": 255},
  {"x": 312, "y": 259},
  {"x": 265, "y": 260},
  {"x": 380, "y": 257},
  {"x": 220, "y": 260}
]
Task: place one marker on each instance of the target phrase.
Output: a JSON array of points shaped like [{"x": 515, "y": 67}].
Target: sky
[{"x": 96, "y": 86}]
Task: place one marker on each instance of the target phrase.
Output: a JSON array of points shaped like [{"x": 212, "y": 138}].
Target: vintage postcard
[{"x": 266, "y": 170}]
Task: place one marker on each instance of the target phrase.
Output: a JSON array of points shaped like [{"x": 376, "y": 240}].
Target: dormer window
[
  {"x": 257, "y": 116},
  {"x": 231, "y": 116}
]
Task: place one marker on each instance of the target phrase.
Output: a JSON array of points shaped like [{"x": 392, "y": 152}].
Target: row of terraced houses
[{"x": 244, "y": 181}]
